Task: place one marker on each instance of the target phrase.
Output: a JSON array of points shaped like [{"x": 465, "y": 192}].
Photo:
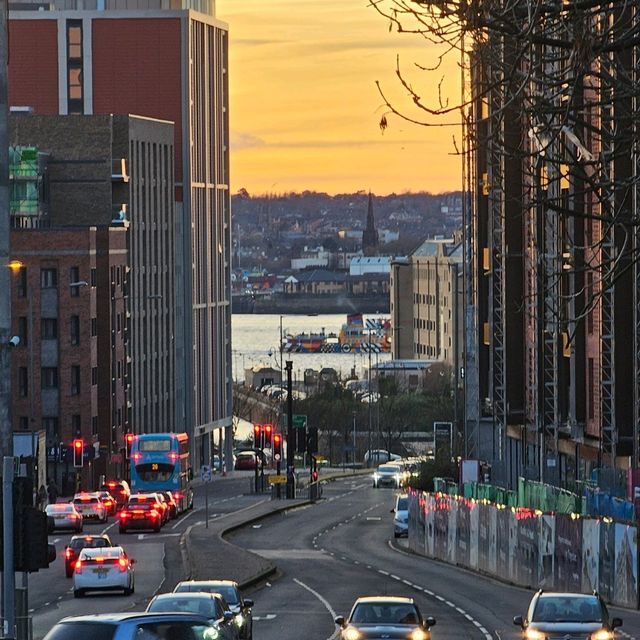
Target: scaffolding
[{"x": 27, "y": 182}]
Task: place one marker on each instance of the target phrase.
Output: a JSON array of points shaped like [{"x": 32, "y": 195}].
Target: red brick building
[{"x": 60, "y": 296}]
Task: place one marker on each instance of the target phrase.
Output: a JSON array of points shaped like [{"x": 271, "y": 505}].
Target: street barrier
[{"x": 528, "y": 547}]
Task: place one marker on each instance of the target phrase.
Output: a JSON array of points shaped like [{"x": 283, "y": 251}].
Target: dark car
[
  {"x": 171, "y": 503},
  {"x": 385, "y": 617},
  {"x": 241, "y": 607},
  {"x": 211, "y": 605},
  {"x": 134, "y": 626},
  {"x": 119, "y": 489},
  {"x": 77, "y": 544},
  {"x": 140, "y": 516},
  {"x": 563, "y": 615}
]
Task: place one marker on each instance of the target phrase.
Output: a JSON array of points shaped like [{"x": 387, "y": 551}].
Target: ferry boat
[{"x": 356, "y": 335}]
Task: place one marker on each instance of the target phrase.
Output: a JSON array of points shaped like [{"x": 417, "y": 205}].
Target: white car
[
  {"x": 401, "y": 517},
  {"x": 103, "y": 569},
  {"x": 90, "y": 506},
  {"x": 389, "y": 475},
  {"x": 64, "y": 516}
]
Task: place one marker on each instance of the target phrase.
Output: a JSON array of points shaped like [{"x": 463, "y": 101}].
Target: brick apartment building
[
  {"x": 57, "y": 297},
  {"x": 154, "y": 58}
]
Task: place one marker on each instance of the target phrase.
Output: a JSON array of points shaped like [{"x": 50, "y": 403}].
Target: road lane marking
[
  {"x": 268, "y": 616},
  {"x": 324, "y": 601},
  {"x": 179, "y": 522}
]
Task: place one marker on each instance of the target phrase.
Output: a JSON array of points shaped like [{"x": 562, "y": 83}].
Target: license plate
[
  {"x": 138, "y": 517},
  {"x": 59, "y": 517},
  {"x": 102, "y": 573}
]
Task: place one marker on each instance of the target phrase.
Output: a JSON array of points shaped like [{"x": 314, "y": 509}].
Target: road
[
  {"x": 341, "y": 548},
  {"x": 158, "y": 560},
  {"x": 327, "y": 555}
]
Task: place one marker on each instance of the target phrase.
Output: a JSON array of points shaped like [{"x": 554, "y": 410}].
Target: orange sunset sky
[{"x": 305, "y": 108}]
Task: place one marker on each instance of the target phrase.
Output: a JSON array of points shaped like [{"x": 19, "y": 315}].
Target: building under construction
[{"x": 553, "y": 284}]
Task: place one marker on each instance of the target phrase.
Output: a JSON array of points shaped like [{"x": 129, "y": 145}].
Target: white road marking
[
  {"x": 179, "y": 522},
  {"x": 108, "y": 527},
  {"x": 324, "y": 601},
  {"x": 269, "y": 616}
]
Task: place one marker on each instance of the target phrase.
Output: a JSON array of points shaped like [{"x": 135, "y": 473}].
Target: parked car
[
  {"x": 103, "y": 569},
  {"x": 378, "y": 617},
  {"x": 376, "y": 457},
  {"x": 90, "y": 506},
  {"x": 133, "y": 626},
  {"x": 210, "y": 605},
  {"x": 567, "y": 615},
  {"x": 229, "y": 590},
  {"x": 63, "y": 515},
  {"x": 401, "y": 517},
  {"x": 75, "y": 546}
]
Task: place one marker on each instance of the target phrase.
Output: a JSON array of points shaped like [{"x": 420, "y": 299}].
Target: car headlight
[
  {"x": 533, "y": 634},
  {"x": 419, "y": 634},
  {"x": 602, "y": 634},
  {"x": 351, "y": 633},
  {"x": 239, "y": 619},
  {"x": 375, "y": 476}
]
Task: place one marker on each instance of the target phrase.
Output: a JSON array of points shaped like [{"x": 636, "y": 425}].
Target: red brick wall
[
  {"x": 33, "y": 65},
  {"x": 136, "y": 69}
]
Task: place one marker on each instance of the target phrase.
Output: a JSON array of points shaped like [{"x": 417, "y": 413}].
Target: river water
[{"x": 255, "y": 340}]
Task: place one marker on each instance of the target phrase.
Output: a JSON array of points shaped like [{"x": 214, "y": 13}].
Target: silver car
[
  {"x": 401, "y": 516},
  {"x": 63, "y": 515},
  {"x": 134, "y": 626},
  {"x": 210, "y": 605}
]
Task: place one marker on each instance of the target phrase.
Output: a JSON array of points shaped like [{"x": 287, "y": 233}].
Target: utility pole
[{"x": 6, "y": 431}]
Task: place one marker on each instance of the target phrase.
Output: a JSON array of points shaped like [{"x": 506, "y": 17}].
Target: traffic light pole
[{"x": 291, "y": 438}]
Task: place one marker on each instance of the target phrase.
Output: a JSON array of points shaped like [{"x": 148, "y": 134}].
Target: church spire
[{"x": 370, "y": 235}]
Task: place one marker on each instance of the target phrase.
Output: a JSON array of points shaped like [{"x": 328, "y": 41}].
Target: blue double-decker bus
[{"x": 160, "y": 462}]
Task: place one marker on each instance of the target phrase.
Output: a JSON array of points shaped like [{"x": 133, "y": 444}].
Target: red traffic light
[
  {"x": 77, "y": 444},
  {"x": 129, "y": 438},
  {"x": 267, "y": 428},
  {"x": 277, "y": 438},
  {"x": 257, "y": 428},
  {"x": 78, "y": 453}
]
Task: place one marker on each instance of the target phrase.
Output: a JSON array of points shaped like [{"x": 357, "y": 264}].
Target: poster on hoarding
[
  {"x": 462, "y": 551},
  {"x": 527, "y": 552},
  {"x": 606, "y": 560},
  {"x": 428, "y": 524},
  {"x": 474, "y": 523},
  {"x": 626, "y": 567},
  {"x": 452, "y": 531},
  {"x": 546, "y": 545},
  {"x": 568, "y": 554},
  {"x": 590, "y": 552}
]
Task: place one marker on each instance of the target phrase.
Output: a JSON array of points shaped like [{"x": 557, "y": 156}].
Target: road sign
[
  {"x": 273, "y": 479},
  {"x": 443, "y": 434},
  {"x": 205, "y": 473},
  {"x": 299, "y": 421}
]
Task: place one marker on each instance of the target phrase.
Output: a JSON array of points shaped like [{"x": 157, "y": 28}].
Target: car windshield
[
  {"x": 174, "y": 630},
  {"x": 93, "y": 543},
  {"x": 228, "y": 593},
  {"x": 60, "y": 508},
  {"x": 567, "y": 609},
  {"x": 385, "y": 613},
  {"x": 403, "y": 504},
  {"x": 201, "y": 606},
  {"x": 389, "y": 469}
]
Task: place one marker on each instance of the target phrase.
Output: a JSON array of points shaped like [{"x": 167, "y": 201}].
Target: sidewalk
[{"x": 207, "y": 555}]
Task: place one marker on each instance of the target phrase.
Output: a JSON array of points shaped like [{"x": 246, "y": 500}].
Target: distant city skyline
[{"x": 304, "y": 107}]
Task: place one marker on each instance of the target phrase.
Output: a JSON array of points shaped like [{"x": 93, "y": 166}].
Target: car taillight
[
  {"x": 153, "y": 513},
  {"x": 123, "y": 515},
  {"x": 177, "y": 496},
  {"x": 122, "y": 564},
  {"x": 68, "y": 553},
  {"x": 79, "y": 566}
]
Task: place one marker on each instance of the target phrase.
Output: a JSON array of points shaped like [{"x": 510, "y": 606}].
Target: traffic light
[
  {"x": 258, "y": 436},
  {"x": 312, "y": 439},
  {"x": 267, "y": 428},
  {"x": 277, "y": 447},
  {"x": 78, "y": 450},
  {"x": 128, "y": 442}
]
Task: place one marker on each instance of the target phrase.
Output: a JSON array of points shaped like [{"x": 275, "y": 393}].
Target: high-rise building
[{"x": 166, "y": 60}]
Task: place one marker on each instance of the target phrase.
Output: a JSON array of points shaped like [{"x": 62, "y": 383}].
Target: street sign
[
  {"x": 299, "y": 422},
  {"x": 205, "y": 473},
  {"x": 274, "y": 479},
  {"x": 443, "y": 435}
]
